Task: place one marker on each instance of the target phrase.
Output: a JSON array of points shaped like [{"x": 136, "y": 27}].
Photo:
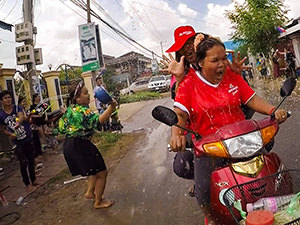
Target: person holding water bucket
[{"x": 83, "y": 158}]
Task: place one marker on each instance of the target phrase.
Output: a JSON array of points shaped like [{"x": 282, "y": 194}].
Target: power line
[
  {"x": 141, "y": 19},
  {"x": 11, "y": 9},
  {"x": 150, "y": 20},
  {"x": 106, "y": 32},
  {"x": 97, "y": 5},
  {"x": 181, "y": 15},
  {"x": 197, "y": 10},
  {"x": 7, "y": 41},
  {"x": 83, "y": 6},
  {"x": 2, "y": 4},
  {"x": 130, "y": 16}
]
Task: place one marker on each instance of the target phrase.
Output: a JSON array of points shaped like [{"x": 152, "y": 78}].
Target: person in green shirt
[{"x": 83, "y": 157}]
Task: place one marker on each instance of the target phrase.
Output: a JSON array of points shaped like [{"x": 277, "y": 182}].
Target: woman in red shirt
[{"x": 210, "y": 98}]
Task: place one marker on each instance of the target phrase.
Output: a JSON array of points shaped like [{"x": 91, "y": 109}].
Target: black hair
[
  {"x": 98, "y": 78},
  {"x": 34, "y": 96},
  {"x": 21, "y": 98},
  {"x": 72, "y": 89},
  {"x": 186, "y": 62},
  {"x": 3, "y": 93},
  {"x": 205, "y": 45}
]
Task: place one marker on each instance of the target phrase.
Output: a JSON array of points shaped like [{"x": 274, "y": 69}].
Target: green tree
[
  {"x": 111, "y": 85},
  {"x": 69, "y": 73},
  {"x": 254, "y": 23}
]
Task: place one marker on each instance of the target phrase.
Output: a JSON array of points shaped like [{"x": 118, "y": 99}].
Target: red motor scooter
[{"x": 242, "y": 144}]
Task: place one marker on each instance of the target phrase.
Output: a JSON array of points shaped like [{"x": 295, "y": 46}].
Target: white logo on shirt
[{"x": 233, "y": 89}]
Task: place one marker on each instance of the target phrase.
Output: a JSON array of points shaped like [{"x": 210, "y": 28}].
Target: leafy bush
[{"x": 139, "y": 96}]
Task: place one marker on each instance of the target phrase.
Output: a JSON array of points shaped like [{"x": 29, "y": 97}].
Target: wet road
[{"x": 144, "y": 186}]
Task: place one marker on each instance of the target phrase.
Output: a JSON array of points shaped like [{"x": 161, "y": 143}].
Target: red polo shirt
[{"x": 212, "y": 106}]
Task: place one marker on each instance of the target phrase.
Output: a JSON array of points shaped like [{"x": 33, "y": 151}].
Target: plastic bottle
[
  {"x": 20, "y": 200},
  {"x": 272, "y": 204}
]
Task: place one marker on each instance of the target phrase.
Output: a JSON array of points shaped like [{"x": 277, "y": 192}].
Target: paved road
[
  {"x": 146, "y": 189},
  {"x": 144, "y": 185}
]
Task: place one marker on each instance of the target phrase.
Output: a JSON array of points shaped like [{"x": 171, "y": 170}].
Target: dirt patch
[{"x": 56, "y": 203}]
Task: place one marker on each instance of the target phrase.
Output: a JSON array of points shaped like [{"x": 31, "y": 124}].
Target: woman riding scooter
[
  {"x": 184, "y": 46},
  {"x": 210, "y": 98}
]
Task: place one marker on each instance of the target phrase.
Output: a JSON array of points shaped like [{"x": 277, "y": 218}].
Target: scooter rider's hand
[
  {"x": 174, "y": 67},
  {"x": 177, "y": 143},
  {"x": 113, "y": 104},
  {"x": 280, "y": 115}
]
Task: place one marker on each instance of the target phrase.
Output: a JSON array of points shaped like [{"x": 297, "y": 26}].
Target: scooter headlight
[{"x": 245, "y": 145}]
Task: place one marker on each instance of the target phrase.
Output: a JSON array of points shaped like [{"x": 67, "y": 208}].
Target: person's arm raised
[
  {"x": 236, "y": 65},
  {"x": 107, "y": 113},
  {"x": 174, "y": 67}
]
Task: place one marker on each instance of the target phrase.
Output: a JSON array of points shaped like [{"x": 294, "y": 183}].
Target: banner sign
[{"x": 88, "y": 47}]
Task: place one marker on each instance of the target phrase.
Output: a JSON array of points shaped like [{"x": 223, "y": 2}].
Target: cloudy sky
[{"x": 150, "y": 22}]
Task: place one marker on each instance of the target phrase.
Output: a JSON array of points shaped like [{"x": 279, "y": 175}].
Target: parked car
[
  {"x": 168, "y": 77},
  {"x": 135, "y": 87},
  {"x": 158, "y": 83}
]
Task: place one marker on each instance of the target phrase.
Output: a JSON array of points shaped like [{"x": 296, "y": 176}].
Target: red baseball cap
[{"x": 181, "y": 35}]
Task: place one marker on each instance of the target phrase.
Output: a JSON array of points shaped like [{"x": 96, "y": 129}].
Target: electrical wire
[
  {"x": 2, "y": 4},
  {"x": 197, "y": 10},
  {"x": 102, "y": 30},
  {"x": 11, "y": 9},
  {"x": 83, "y": 6},
  {"x": 130, "y": 16},
  {"x": 141, "y": 19},
  {"x": 97, "y": 5},
  {"x": 181, "y": 15},
  {"x": 7, "y": 41},
  {"x": 150, "y": 21}
]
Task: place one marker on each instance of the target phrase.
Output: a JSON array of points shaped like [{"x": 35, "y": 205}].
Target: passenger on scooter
[
  {"x": 184, "y": 46},
  {"x": 210, "y": 98}
]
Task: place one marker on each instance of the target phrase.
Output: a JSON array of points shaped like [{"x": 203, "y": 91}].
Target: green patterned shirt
[{"x": 78, "y": 121}]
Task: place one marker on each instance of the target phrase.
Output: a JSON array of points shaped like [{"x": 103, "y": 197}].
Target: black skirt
[{"x": 83, "y": 158}]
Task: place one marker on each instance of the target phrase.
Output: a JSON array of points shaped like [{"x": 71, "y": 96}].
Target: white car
[
  {"x": 158, "y": 83},
  {"x": 168, "y": 77},
  {"x": 135, "y": 87}
]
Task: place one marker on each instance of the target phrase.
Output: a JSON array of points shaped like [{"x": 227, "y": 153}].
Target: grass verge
[
  {"x": 139, "y": 96},
  {"x": 113, "y": 147}
]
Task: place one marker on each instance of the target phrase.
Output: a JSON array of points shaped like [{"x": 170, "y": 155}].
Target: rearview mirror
[
  {"x": 288, "y": 86},
  {"x": 165, "y": 115}
]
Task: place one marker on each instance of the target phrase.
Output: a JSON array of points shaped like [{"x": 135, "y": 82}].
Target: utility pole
[
  {"x": 28, "y": 17},
  {"x": 161, "y": 47},
  {"x": 88, "y": 7}
]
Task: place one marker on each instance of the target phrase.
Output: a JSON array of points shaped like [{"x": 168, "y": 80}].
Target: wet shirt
[
  {"x": 22, "y": 132},
  {"x": 209, "y": 106},
  {"x": 78, "y": 121}
]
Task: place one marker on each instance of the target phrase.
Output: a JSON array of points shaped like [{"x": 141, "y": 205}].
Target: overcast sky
[{"x": 149, "y": 22}]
